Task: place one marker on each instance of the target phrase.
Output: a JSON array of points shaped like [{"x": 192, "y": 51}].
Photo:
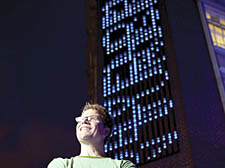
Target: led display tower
[{"x": 136, "y": 81}]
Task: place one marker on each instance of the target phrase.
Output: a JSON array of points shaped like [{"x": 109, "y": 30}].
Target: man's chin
[{"x": 84, "y": 139}]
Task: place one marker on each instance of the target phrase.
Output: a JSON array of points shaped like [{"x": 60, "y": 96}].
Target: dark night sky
[{"x": 43, "y": 81}]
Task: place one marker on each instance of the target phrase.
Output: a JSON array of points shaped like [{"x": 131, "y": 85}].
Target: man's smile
[{"x": 84, "y": 128}]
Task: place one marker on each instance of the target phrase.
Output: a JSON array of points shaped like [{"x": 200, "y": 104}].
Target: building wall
[
  {"x": 202, "y": 104},
  {"x": 199, "y": 101}
]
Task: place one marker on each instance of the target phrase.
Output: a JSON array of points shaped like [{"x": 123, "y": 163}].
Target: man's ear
[{"x": 106, "y": 131}]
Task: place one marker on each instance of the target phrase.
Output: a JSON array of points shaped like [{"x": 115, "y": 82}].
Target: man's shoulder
[
  {"x": 60, "y": 162},
  {"x": 69, "y": 162},
  {"x": 125, "y": 163}
]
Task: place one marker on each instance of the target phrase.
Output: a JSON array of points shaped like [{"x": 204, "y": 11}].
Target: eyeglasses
[{"x": 87, "y": 118}]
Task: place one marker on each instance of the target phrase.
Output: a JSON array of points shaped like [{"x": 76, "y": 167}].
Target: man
[{"x": 94, "y": 126}]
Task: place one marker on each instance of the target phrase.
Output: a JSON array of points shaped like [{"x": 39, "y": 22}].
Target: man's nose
[{"x": 85, "y": 120}]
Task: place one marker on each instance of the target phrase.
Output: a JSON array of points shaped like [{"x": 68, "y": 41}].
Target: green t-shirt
[{"x": 90, "y": 162}]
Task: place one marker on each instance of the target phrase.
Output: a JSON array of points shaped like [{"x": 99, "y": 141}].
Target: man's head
[{"x": 95, "y": 124}]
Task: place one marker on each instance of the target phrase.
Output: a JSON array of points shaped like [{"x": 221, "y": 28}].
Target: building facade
[{"x": 141, "y": 63}]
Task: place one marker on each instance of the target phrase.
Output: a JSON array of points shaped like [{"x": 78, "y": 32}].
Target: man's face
[{"x": 90, "y": 128}]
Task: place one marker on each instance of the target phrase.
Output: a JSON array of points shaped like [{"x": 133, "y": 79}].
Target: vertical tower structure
[
  {"x": 154, "y": 74},
  {"x": 136, "y": 81}
]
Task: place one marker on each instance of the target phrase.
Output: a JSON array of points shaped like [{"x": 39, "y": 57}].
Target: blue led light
[
  {"x": 130, "y": 10},
  {"x": 103, "y": 41},
  {"x": 115, "y": 145},
  {"x": 110, "y": 147},
  {"x": 122, "y": 84},
  {"x": 125, "y": 141},
  {"x": 125, "y": 56},
  {"x": 159, "y": 150},
  {"x": 169, "y": 138},
  {"x": 158, "y": 139},
  {"x": 127, "y": 82},
  {"x": 126, "y": 153},
  {"x": 134, "y": 9},
  {"x": 153, "y": 142},
  {"x": 124, "y": 108},
  {"x": 141, "y": 35},
  {"x": 138, "y": 7},
  {"x": 130, "y": 140},
  {"x": 175, "y": 135},
  {"x": 166, "y": 75},
  {"x": 126, "y": 8},
  {"x": 171, "y": 103},
  {"x": 127, "y": 29},
  {"x": 131, "y": 153},
  {"x": 142, "y": 6},
  {"x": 103, "y": 9},
  {"x": 142, "y": 146},
  {"x": 116, "y": 45},
  {"x": 116, "y": 156},
  {"x": 105, "y": 104},
  {"x": 135, "y": 69},
  {"x": 113, "y": 89},
  {"x": 112, "y": 47},
  {"x": 131, "y": 74},
  {"x": 146, "y": 4},
  {"x": 112, "y": 64},
  {"x": 133, "y": 42},
  {"x": 157, "y": 14},
  {"x": 149, "y": 107},
  {"x": 145, "y": 74},
  {"x": 160, "y": 112},
  {"x": 137, "y": 157},
  {"x": 121, "y": 155},
  {"x": 152, "y": 89},
  {"x": 141, "y": 76},
  {"x": 119, "y": 112},
  {"x": 157, "y": 87},
  {"x": 114, "y": 113},
  {"x": 164, "y": 145},
  {"x": 146, "y": 34},
  {"x": 147, "y": 144},
  {"x": 114, "y": 101},
  {"x": 118, "y": 99},
  {"x": 164, "y": 100},
  {"x": 105, "y": 148},
  {"x": 128, "y": 101},
  {"x": 137, "y": 96},
  {"x": 137, "y": 36},
  {"x": 147, "y": 91},
  {"x": 150, "y": 72},
  {"x": 144, "y": 20},
  {"x": 165, "y": 109},
  {"x": 109, "y": 102},
  {"x": 154, "y": 153}
]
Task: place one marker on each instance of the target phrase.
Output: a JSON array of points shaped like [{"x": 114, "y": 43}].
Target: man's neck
[{"x": 92, "y": 150}]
